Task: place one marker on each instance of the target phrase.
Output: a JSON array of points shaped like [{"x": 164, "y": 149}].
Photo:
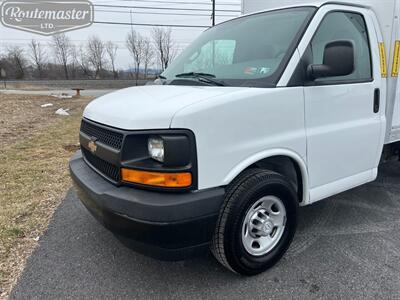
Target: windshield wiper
[{"x": 205, "y": 77}]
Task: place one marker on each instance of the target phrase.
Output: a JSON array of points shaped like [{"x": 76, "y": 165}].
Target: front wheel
[{"x": 257, "y": 222}]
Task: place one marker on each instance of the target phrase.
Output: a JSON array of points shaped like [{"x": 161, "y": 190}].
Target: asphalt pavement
[{"x": 347, "y": 247}]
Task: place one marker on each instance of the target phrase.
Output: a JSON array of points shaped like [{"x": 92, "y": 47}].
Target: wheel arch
[{"x": 278, "y": 160}]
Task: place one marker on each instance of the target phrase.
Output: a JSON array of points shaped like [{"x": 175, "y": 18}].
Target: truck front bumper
[{"x": 166, "y": 226}]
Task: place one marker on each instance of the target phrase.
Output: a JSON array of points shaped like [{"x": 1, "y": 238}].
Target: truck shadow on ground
[{"x": 354, "y": 234}]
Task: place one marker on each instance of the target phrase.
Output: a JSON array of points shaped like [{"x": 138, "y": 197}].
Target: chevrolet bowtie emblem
[{"x": 92, "y": 146}]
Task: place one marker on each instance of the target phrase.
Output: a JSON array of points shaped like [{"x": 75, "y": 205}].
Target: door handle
[{"x": 377, "y": 100}]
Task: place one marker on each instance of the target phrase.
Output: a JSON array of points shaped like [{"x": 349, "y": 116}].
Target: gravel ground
[{"x": 347, "y": 247}]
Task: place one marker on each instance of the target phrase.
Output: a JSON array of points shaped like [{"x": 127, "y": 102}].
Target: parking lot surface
[{"x": 347, "y": 247}]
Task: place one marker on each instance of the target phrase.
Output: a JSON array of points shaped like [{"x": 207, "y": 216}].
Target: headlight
[
  {"x": 156, "y": 148},
  {"x": 165, "y": 159}
]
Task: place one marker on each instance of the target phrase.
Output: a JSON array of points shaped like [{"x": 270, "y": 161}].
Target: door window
[{"x": 344, "y": 26}]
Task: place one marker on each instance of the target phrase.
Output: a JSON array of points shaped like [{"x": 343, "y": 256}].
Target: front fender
[
  {"x": 234, "y": 130},
  {"x": 267, "y": 154}
]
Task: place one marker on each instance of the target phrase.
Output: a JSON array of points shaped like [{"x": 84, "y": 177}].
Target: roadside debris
[
  {"x": 46, "y": 105},
  {"x": 62, "y": 96},
  {"x": 62, "y": 112}
]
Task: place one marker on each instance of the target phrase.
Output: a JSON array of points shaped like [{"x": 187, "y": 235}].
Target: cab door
[{"x": 344, "y": 115}]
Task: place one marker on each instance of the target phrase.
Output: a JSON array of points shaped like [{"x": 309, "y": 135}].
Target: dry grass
[
  {"x": 22, "y": 116},
  {"x": 33, "y": 180}
]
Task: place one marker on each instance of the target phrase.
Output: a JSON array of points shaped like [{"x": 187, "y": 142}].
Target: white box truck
[{"x": 284, "y": 106}]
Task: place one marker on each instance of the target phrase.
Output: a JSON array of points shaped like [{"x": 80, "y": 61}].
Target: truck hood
[{"x": 149, "y": 107}]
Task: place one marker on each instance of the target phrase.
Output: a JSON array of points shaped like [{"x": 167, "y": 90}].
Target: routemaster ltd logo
[{"x": 47, "y": 17}]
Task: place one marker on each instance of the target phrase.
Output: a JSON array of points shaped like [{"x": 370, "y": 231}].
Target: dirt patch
[
  {"x": 71, "y": 148},
  {"x": 35, "y": 146}
]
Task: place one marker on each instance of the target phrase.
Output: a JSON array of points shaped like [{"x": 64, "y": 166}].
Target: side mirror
[{"x": 338, "y": 61}]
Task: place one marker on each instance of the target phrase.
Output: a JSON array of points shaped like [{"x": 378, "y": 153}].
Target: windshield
[{"x": 248, "y": 51}]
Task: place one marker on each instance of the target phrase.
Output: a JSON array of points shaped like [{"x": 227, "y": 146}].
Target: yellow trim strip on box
[
  {"x": 396, "y": 60},
  {"x": 382, "y": 53}
]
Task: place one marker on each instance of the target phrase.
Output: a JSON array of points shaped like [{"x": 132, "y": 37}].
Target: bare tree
[
  {"x": 17, "y": 59},
  {"x": 148, "y": 55},
  {"x": 164, "y": 45},
  {"x": 62, "y": 50},
  {"x": 96, "y": 50},
  {"x": 74, "y": 65},
  {"x": 135, "y": 45},
  {"x": 83, "y": 62},
  {"x": 111, "y": 50},
  {"x": 38, "y": 56}
]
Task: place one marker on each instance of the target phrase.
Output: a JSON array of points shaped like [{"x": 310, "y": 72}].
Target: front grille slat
[
  {"x": 107, "y": 169},
  {"x": 103, "y": 135}
]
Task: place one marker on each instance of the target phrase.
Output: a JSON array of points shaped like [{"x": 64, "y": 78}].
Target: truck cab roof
[
  {"x": 384, "y": 10},
  {"x": 249, "y": 6}
]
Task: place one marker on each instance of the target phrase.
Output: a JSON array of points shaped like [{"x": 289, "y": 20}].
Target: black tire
[{"x": 244, "y": 191}]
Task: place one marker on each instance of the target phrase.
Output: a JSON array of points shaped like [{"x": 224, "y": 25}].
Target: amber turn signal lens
[{"x": 171, "y": 180}]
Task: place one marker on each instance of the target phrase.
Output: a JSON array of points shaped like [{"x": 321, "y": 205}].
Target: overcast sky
[{"x": 117, "y": 33}]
